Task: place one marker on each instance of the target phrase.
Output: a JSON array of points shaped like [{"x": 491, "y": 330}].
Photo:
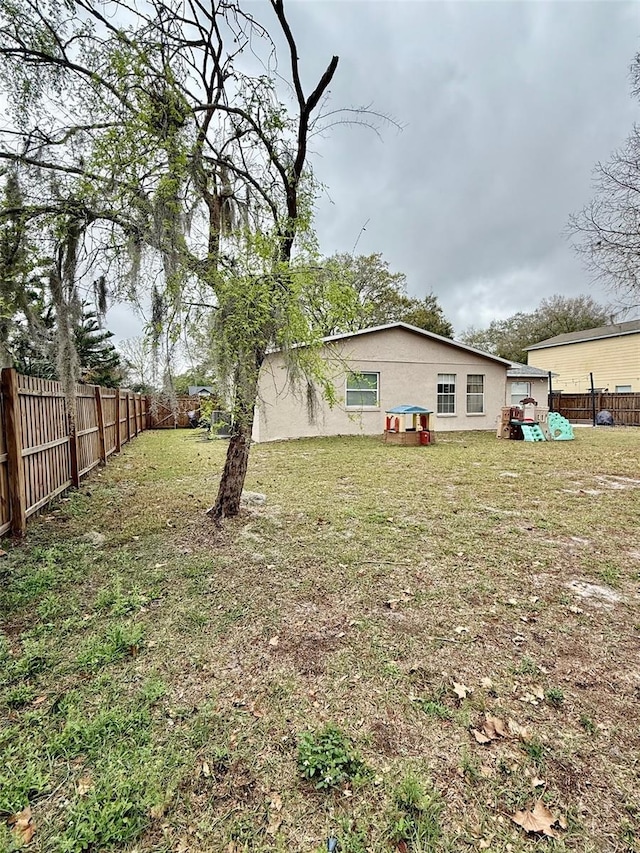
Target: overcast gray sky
[{"x": 506, "y": 108}]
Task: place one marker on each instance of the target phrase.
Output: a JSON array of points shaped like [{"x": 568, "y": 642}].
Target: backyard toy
[
  {"x": 408, "y": 425},
  {"x": 532, "y": 432},
  {"x": 559, "y": 427}
]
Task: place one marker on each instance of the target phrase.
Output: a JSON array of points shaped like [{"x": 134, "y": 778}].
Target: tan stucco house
[
  {"x": 611, "y": 353},
  {"x": 523, "y": 381},
  {"x": 376, "y": 369}
]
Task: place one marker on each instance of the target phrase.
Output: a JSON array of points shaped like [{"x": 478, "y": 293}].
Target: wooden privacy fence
[
  {"x": 40, "y": 456},
  {"x": 625, "y": 407}
]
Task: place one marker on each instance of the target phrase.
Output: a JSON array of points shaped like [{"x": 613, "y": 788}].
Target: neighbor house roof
[
  {"x": 526, "y": 371},
  {"x": 417, "y": 331},
  {"x": 194, "y": 390},
  {"x": 616, "y": 330}
]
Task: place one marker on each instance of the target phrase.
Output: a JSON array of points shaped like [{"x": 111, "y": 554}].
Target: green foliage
[
  {"x": 346, "y": 293},
  {"x": 119, "y": 641},
  {"x": 554, "y": 696},
  {"x": 327, "y": 758},
  {"x": 415, "y": 815},
  {"x": 91, "y": 736},
  {"x": 119, "y": 602},
  {"x": 554, "y": 316}
]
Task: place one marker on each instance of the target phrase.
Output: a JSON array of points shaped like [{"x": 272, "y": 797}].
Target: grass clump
[
  {"x": 414, "y": 820},
  {"x": 554, "y": 696},
  {"x": 328, "y": 758},
  {"x": 120, "y": 641}
]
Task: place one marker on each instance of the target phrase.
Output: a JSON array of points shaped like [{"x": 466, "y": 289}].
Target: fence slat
[{"x": 13, "y": 438}]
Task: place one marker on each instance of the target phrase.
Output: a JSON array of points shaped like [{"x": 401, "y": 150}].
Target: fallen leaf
[
  {"x": 84, "y": 785},
  {"x": 276, "y": 802},
  {"x": 494, "y": 727},
  {"x": 519, "y": 731},
  {"x": 22, "y": 825},
  {"x": 401, "y": 847},
  {"x": 3, "y": 553},
  {"x": 274, "y": 641},
  {"x": 275, "y": 823},
  {"x": 461, "y": 690},
  {"x": 461, "y": 629},
  {"x": 538, "y": 692},
  {"x": 539, "y": 820},
  {"x": 537, "y": 782},
  {"x": 206, "y": 770},
  {"x": 38, "y": 701},
  {"x": 483, "y": 844},
  {"x": 481, "y": 738},
  {"x": 486, "y": 683}
]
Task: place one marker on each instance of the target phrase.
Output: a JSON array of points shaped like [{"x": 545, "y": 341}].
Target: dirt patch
[{"x": 602, "y": 596}]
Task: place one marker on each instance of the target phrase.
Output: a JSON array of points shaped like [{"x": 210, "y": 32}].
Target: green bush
[{"x": 327, "y": 758}]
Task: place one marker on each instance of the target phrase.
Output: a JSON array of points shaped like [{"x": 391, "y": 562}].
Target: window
[
  {"x": 475, "y": 394},
  {"x": 362, "y": 389},
  {"x": 623, "y": 389},
  {"x": 519, "y": 390},
  {"x": 446, "y": 393}
]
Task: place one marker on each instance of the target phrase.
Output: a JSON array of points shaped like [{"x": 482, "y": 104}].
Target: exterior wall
[
  {"x": 539, "y": 389},
  {"x": 408, "y": 365},
  {"x": 613, "y": 362}
]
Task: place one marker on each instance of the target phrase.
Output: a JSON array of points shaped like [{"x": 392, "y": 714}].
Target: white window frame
[
  {"x": 446, "y": 379},
  {"x": 518, "y": 394},
  {"x": 361, "y": 406},
  {"x": 476, "y": 394},
  {"x": 623, "y": 389}
]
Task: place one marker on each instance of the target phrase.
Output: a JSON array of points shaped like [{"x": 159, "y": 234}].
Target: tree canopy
[
  {"x": 351, "y": 292},
  {"x": 554, "y": 316},
  {"x": 179, "y": 160}
]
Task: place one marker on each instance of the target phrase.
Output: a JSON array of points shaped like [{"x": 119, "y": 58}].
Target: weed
[
  {"x": 469, "y": 765},
  {"x": 118, "y": 602},
  {"x": 19, "y": 695},
  {"x": 433, "y": 708},
  {"x": 535, "y": 749},
  {"x": 113, "y": 813},
  {"x": 114, "y": 726},
  {"x": 554, "y": 696},
  {"x": 119, "y": 642},
  {"x": 526, "y": 667},
  {"x": 153, "y": 689},
  {"x": 415, "y": 816},
  {"x": 587, "y": 724},
  {"x": 327, "y": 758}
]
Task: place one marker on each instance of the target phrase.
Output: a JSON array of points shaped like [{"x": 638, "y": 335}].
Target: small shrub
[{"x": 327, "y": 758}]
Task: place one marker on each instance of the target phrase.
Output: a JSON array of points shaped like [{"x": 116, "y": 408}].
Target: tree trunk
[{"x": 235, "y": 467}]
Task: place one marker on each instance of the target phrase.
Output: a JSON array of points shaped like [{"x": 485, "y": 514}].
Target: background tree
[
  {"x": 351, "y": 292},
  {"x": 170, "y": 148},
  {"x": 554, "y": 316},
  {"x": 607, "y": 230}
]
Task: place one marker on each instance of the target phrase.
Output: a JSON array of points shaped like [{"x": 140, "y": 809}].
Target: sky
[{"x": 505, "y": 108}]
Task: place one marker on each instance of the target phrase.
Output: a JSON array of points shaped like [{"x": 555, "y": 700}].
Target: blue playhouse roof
[{"x": 408, "y": 410}]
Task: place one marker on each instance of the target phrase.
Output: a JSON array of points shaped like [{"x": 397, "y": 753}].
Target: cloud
[{"x": 506, "y": 107}]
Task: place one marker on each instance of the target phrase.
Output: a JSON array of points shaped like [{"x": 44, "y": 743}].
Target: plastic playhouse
[
  {"x": 408, "y": 425},
  {"x": 530, "y": 422}
]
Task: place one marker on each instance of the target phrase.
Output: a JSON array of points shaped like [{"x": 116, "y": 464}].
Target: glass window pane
[{"x": 362, "y": 389}]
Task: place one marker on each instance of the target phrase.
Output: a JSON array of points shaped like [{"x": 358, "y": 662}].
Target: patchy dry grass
[{"x": 161, "y": 690}]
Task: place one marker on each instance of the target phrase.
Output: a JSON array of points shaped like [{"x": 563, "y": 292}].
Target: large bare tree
[
  {"x": 170, "y": 130},
  {"x": 607, "y": 230}
]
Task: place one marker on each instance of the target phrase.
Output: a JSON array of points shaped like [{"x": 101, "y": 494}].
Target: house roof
[
  {"x": 616, "y": 330},
  {"x": 526, "y": 371},
  {"x": 194, "y": 390},
  {"x": 417, "y": 331}
]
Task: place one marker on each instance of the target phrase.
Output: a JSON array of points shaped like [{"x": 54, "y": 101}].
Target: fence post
[
  {"x": 117, "y": 420},
  {"x": 13, "y": 435},
  {"x": 128, "y": 418},
  {"x": 100, "y": 418},
  {"x": 73, "y": 453}
]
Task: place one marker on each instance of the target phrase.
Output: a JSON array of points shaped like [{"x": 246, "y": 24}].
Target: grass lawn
[{"x": 403, "y": 648}]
